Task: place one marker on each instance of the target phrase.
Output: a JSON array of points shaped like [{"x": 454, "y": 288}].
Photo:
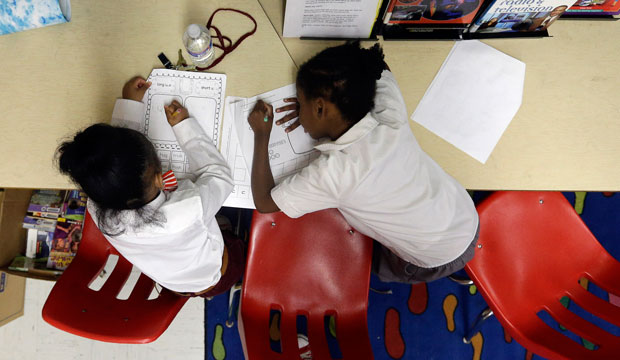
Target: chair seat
[
  {"x": 315, "y": 267},
  {"x": 534, "y": 250},
  {"x": 75, "y": 308}
]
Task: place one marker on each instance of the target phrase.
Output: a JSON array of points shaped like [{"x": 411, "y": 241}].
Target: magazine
[
  {"x": 512, "y": 16},
  {"x": 65, "y": 243},
  {"x": 594, "y": 8},
  {"x": 446, "y": 13}
]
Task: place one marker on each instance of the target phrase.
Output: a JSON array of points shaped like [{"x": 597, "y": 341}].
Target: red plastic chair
[
  {"x": 314, "y": 266},
  {"x": 73, "y": 307},
  {"x": 533, "y": 250}
]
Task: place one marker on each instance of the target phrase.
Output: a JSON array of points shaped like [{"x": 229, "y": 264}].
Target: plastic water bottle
[{"x": 199, "y": 45}]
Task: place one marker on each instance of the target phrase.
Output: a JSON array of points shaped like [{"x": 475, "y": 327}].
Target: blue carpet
[{"x": 428, "y": 321}]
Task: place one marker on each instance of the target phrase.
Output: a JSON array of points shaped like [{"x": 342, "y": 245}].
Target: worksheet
[
  {"x": 241, "y": 196},
  {"x": 288, "y": 152},
  {"x": 226, "y": 123},
  {"x": 203, "y": 96}
]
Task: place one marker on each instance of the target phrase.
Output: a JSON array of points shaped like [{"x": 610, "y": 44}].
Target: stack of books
[{"x": 54, "y": 221}]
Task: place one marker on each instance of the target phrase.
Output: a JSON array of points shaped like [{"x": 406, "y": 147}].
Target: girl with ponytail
[
  {"x": 371, "y": 167},
  {"x": 172, "y": 236}
]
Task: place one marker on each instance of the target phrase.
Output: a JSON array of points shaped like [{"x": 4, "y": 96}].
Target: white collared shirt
[
  {"x": 386, "y": 187},
  {"x": 184, "y": 253}
]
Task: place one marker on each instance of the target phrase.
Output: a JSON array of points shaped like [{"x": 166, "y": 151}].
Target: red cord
[{"x": 223, "y": 39}]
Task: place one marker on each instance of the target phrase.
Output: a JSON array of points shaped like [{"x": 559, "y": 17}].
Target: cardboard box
[
  {"x": 12, "y": 290},
  {"x": 13, "y": 207}
]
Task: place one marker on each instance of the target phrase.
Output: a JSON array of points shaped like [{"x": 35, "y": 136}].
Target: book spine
[
  {"x": 39, "y": 224},
  {"x": 31, "y": 243}
]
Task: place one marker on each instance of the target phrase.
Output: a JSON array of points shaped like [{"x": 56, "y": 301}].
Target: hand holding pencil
[{"x": 175, "y": 113}]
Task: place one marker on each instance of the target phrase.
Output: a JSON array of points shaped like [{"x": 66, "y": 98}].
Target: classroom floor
[
  {"x": 427, "y": 321},
  {"x": 29, "y": 337},
  {"x": 413, "y": 322}
]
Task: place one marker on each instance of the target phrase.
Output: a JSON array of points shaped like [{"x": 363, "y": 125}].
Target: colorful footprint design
[
  {"x": 476, "y": 342},
  {"x": 218, "y": 348},
  {"x": 394, "y": 343},
  {"x": 418, "y": 298},
  {"x": 449, "y": 307}
]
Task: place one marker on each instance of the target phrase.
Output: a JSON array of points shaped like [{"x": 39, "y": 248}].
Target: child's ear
[
  {"x": 159, "y": 181},
  {"x": 319, "y": 107}
]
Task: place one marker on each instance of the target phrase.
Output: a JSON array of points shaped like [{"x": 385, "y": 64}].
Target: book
[
  {"x": 36, "y": 266},
  {"x": 519, "y": 16},
  {"x": 40, "y": 214},
  {"x": 65, "y": 243},
  {"x": 38, "y": 223},
  {"x": 594, "y": 8},
  {"x": 38, "y": 243},
  {"x": 44, "y": 208},
  {"x": 47, "y": 201}
]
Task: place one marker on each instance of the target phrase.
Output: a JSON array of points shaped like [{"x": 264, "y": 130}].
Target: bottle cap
[{"x": 193, "y": 31}]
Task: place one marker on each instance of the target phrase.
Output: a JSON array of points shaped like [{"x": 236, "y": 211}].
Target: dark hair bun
[
  {"x": 372, "y": 60},
  {"x": 108, "y": 163}
]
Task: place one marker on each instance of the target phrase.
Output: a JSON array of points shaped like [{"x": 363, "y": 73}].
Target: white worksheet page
[
  {"x": 203, "y": 96},
  {"x": 241, "y": 196},
  {"x": 288, "y": 152}
]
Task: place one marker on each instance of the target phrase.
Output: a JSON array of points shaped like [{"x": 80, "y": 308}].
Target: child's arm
[
  {"x": 261, "y": 121},
  {"x": 214, "y": 180},
  {"x": 129, "y": 110}
]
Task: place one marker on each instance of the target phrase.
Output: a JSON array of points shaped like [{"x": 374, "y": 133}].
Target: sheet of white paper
[
  {"x": 241, "y": 196},
  {"x": 203, "y": 96},
  {"x": 473, "y": 98},
  {"x": 288, "y": 152},
  {"x": 320, "y": 18}
]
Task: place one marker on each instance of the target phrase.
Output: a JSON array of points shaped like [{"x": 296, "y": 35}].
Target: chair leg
[
  {"x": 461, "y": 280},
  {"x": 475, "y": 329},
  {"x": 231, "y": 298},
  {"x": 384, "y": 292}
]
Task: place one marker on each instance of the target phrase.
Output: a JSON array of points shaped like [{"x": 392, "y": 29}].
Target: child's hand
[
  {"x": 261, "y": 119},
  {"x": 175, "y": 113},
  {"x": 135, "y": 88},
  {"x": 290, "y": 116}
]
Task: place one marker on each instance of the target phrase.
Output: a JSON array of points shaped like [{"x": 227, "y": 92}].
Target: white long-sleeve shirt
[
  {"x": 386, "y": 186},
  {"x": 184, "y": 253}
]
